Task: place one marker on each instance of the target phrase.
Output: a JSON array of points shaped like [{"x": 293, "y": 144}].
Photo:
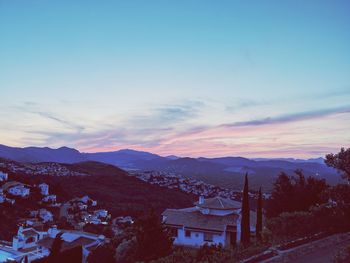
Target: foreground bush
[{"x": 212, "y": 254}]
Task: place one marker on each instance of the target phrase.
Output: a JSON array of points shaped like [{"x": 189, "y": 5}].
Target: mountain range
[{"x": 224, "y": 171}]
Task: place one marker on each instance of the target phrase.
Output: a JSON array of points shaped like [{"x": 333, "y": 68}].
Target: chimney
[
  {"x": 53, "y": 231},
  {"x": 20, "y": 229},
  {"x": 201, "y": 200}
]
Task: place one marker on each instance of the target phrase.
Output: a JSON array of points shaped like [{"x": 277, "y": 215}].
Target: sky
[{"x": 184, "y": 77}]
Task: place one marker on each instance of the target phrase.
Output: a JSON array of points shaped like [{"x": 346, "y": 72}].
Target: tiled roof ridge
[{"x": 222, "y": 205}]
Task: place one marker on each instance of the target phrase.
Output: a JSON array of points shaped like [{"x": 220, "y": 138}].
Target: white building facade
[
  {"x": 214, "y": 221},
  {"x": 3, "y": 176}
]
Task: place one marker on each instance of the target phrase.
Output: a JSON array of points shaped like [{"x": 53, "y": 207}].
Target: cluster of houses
[
  {"x": 30, "y": 244},
  {"x": 32, "y": 241},
  {"x": 12, "y": 189},
  {"x": 16, "y": 189},
  {"x": 78, "y": 211},
  {"x": 53, "y": 169},
  {"x": 189, "y": 185},
  {"x": 82, "y": 211}
]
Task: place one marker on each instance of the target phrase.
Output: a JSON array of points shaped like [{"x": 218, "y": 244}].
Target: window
[
  {"x": 30, "y": 240},
  {"x": 173, "y": 232},
  {"x": 187, "y": 233},
  {"x": 208, "y": 237}
]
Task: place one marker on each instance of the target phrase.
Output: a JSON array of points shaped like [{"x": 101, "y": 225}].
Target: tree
[
  {"x": 152, "y": 238},
  {"x": 245, "y": 223},
  {"x": 104, "y": 253},
  {"x": 291, "y": 225},
  {"x": 340, "y": 161},
  {"x": 56, "y": 249},
  {"x": 282, "y": 193},
  {"x": 295, "y": 193},
  {"x": 259, "y": 216}
]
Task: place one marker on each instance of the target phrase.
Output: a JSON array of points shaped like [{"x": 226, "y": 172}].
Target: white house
[
  {"x": 2, "y": 197},
  {"x": 101, "y": 213},
  {"x": 50, "y": 198},
  {"x": 44, "y": 189},
  {"x": 87, "y": 200},
  {"x": 3, "y": 176},
  {"x": 36, "y": 244},
  {"x": 43, "y": 214},
  {"x": 213, "y": 221},
  {"x": 19, "y": 190},
  {"x": 26, "y": 238},
  {"x": 72, "y": 239}
]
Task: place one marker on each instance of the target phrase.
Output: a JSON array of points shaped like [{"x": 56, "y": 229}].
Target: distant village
[{"x": 189, "y": 185}]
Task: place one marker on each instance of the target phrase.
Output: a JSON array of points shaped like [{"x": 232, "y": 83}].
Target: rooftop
[
  {"x": 195, "y": 219},
  {"x": 219, "y": 203},
  {"x": 81, "y": 241}
]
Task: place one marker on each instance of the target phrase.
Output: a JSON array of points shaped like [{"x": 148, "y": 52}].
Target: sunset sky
[{"x": 189, "y": 78}]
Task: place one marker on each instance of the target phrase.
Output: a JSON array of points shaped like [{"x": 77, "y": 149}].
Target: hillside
[{"x": 113, "y": 187}]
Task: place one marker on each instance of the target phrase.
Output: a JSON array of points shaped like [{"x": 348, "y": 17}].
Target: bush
[{"x": 290, "y": 225}]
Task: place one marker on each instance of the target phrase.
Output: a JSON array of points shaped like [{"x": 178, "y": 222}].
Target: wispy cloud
[
  {"x": 66, "y": 123},
  {"x": 291, "y": 117},
  {"x": 173, "y": 129}
]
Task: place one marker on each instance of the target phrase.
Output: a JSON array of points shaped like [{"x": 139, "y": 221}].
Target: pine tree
[
  {"x": 259, "y": 216},
  {"x": 245, "y": 223}
]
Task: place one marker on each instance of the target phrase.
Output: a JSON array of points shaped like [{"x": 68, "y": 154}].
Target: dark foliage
[
  {"x": 103, "y": 254},
  {"x": 340, "y": 161},
  {"x": 259, "y": 216},
  {"x": 245, "y": 224},
  {"x": 152, "y": 238},
  {"x": 295, "y": 193},
  {"x": 56, "y": 249},
  {"x": 73, "y": 255}
]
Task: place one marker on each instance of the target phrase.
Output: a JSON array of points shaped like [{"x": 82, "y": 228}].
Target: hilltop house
[
  {"x": 16, "y": 188},
  {"x": 3, "y": 176},
  {"x": 2, "y": 197},
  {"x": 213, "y": 221},
  {"x": 44, "y": 189}
]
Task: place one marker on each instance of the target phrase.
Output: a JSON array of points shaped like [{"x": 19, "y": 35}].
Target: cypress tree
[
  {"x": 245, "y": 223},
  {"x": 259, "y": 216},
  {"x": 55, "y": 250}
]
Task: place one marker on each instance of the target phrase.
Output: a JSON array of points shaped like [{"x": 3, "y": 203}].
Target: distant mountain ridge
[{"x": 224, "y": 171}]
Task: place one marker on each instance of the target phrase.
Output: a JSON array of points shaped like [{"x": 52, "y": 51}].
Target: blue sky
[{"x": 213, "y": 78}]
